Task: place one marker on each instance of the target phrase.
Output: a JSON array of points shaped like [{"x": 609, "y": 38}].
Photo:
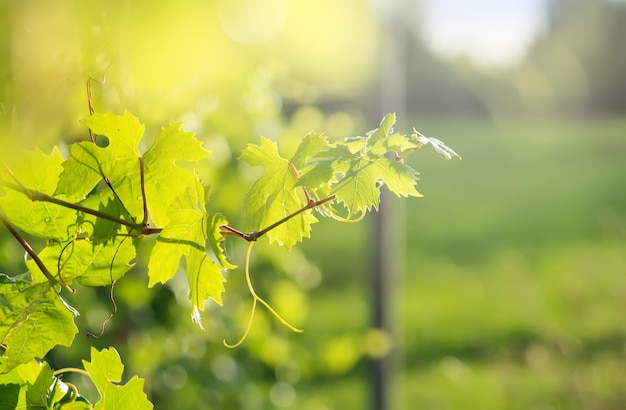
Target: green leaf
[
  {"x": 27, "y": 386},
  {"x": 438, "y": 146},
  {"x": 311, "y": 145},
  {"x": 359, "y": 189},
  {"x": 186, "y": 235},
  {"x": 162, "y": 175},
  {"x": 274, "y": 196},
  {"x": 90, "y": 263},
  {"x": 316, "y": 174},
  {"x": 377, "y": 138},
  {"x": 355, "y": 168},
  {"x": 33, "y": 320},
  {"x": 105, "y": 370},
  {"x": 37, "y": 171},
  {"x": 163, "y": 178},
  {"x": 118, "y": 161},
  {"x": 215, "y": 221}
]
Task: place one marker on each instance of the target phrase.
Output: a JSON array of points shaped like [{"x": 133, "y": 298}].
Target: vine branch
[
  {"x": 34, "y": 195},
  {"x": 254, "y": 235},
  {"x": 29, "y": 250}
]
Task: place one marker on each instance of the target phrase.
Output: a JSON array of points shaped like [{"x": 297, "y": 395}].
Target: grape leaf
[
  {"x": 273, "y": 196},
  {"x": 309, "y": 147},
  {"x": 36, "y": 171},
  {"x": 90, "y": 263},
  {"x": 186, "y": 235},
  {"x": 105, "y": 370},
  {"x": 161, "y": 172},
  {"x": 118, "y": 161},
  {"x": 354, "y": 168},
  {"x": 438, "y": 146},
  {"x": 33, "y": 319},
  {"x": 214, "y": 224},
  {"x": 27, "y": 386}
]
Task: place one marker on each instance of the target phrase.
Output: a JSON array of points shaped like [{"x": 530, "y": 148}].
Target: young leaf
[
  {"x": 318, "y": 174},
  {"x": 274, "y": 196},
  {"x": 105, "y": 370},
  {"x": 438, "y": 146},
  {"x": 353, "y": 169},
  {"x": 33, "y": 319},
  {"x": 186, "y": 235},
  {"x": 364, "y": 170}
]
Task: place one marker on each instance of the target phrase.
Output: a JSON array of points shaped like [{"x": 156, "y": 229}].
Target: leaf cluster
[
  {"x": 344, "y": 177},
  {"x": 90, "y": 208},
  {"x": 34, "y": 385}
]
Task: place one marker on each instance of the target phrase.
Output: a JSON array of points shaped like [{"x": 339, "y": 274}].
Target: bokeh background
[{"x": 503, "y": 288}]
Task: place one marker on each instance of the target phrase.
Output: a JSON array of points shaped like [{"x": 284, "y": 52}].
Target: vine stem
[
  {"x": 408, "y": 152},
  {"x": 33, "y": 195},
  {"x": 30, "y": 251},
  {"x": 71, "y": 370},
  {"x": 256, "y": 298},
  {"x": 253, "y": 236}
]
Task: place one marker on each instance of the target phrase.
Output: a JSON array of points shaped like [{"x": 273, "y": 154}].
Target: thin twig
[
  {"x": 408, "y": 152},
  {"x": 144, "y": 221}
]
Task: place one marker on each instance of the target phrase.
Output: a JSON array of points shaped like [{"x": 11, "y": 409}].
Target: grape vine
[{"x": 92, "y": 208}]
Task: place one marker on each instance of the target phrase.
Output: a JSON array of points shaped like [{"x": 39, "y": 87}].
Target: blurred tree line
[{"x": 575, "y": 66}]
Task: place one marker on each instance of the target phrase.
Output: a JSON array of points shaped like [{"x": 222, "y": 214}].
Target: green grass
[{"x": 515, "y": 290}]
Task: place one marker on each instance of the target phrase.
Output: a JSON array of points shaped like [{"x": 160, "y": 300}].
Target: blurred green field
[{"x": 515, "y": 287}]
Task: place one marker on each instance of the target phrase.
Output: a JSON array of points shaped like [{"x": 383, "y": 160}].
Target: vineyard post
[{"x": 388, "y": 242}]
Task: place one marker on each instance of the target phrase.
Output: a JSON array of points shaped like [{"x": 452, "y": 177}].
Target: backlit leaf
[
  {"x": 118, "y": 161},
  {"x": 39, "y": 172},
  {"x": 186, "y": 235},
  {"x": 162, "y": 175},
  {"x": 33, "y": 320},
  {"x": 91, "y": 264},
  {"x": 274, "y": 196},
  {"x": 105, "y": 370}
]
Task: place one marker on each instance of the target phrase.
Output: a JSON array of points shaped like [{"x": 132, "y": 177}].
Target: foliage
[
  {"x": 93, "y": 208},
  {"x": 35, "y": 385}
]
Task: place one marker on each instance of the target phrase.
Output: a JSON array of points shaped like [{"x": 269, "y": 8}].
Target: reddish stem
[{"x": 254, "y": 235}]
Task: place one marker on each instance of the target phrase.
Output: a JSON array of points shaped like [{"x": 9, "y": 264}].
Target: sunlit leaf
[
  {"x": 273, "y": 196},
  {"x": 186, "y": 235},
  {"x": 438, "y": 146},
  {"x": 214, "y": 223},
  {"x": 39, "y": 172},
  {"x": 165, "y": 180},
  {"x": 27, "y": 386},
  {"x": 91, "y": 264},
  {"x": 354, "y": 169},
  {"x": 105, "y": 370},
  {"x": 33, "y": 320}
]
